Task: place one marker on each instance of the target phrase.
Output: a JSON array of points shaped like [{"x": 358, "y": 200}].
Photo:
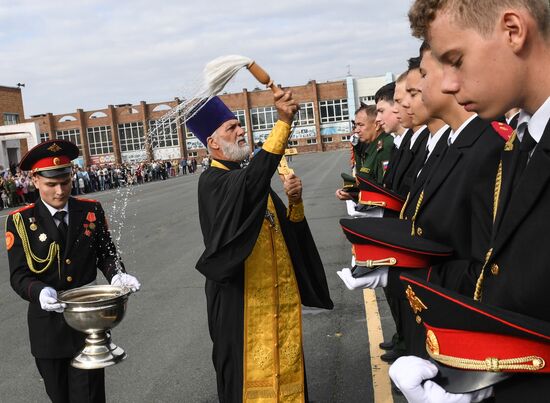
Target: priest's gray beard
[{"x": 233, "y": 151}]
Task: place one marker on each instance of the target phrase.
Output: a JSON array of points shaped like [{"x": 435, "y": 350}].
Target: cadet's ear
[{"x": 516, "y": 24}]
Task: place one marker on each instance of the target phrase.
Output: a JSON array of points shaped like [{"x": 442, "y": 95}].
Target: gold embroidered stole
[{"x": 273, "y": 365}]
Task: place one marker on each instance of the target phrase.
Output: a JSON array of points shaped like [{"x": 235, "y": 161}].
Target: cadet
[{"x": 53, "y": 245}]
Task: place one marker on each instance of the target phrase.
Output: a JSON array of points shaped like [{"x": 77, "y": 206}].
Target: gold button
[
  {"x": 419, "y": 231},
  {"x": 276, "y": 344},
  {"x": 69, "y": 279},
  {"x": 495, "y": 269},
  {"x": 275, "y": 316},
  {"x": 276, "y": 375},
  {"x": 68, "y": 261},
  {"x": 276, "y": 285},
  {"x": 418, "y": 319}
]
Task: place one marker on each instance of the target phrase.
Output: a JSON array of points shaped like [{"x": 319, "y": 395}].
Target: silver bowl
[{"x": 94, "y": 310}]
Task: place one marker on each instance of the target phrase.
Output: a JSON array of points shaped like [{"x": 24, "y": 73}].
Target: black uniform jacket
[
  {"x": 406, "y": 169},
  {"x": 232, "y": 206},
  {"x": 397, "y": 155},
  {"x": 89, "y": 247},
  {"x": 459, "y": 189}
]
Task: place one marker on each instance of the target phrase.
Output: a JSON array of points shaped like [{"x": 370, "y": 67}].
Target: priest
[{"x": 260, "y": 260}]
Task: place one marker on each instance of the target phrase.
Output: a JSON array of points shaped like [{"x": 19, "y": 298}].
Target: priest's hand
[
  {"x": 378, "y": 278},
  {"x": 293, "y": 188},
  {"x": 286, "y": 106},
  {"x": 48, "y": 300},
  {"x": 126, "y": 280},
  {"x": 410, "y": 375}
]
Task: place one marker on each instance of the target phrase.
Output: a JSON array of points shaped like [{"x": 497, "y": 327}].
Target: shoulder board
[
  {"x": 86, "y": 200},
  {"x": 503, "y": 130},
  {"x": 22, "y": 209}
]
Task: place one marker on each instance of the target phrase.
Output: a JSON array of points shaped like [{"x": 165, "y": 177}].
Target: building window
[
  {"x": 72, "y": 135},
  {"x": 131, "y": 136},
  {"x": 345, "y": 138},
  {"x": 335, "y": 110},
  {"x": 192, "y": 154},
  {"x": 11, "y": 118},
  {"x": 305, "y": 115},
  {"x": 311, "y": 141},
  {"x": 292, "y": 143},
  {"x": 164, "y": 134},
  {"x": 45, "y": 137},
  {"x": 368, "y": 100},
  {"x": 240, "y": 114},
  {"x": 327, "y": 139},
  {"x": 263, "y": 118},
  {"x": 100, "y": 140}
]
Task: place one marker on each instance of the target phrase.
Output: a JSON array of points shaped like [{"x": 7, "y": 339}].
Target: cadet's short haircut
[
  {"x": 385, "y": 93},
  {"x": 414, "y": 63},
  {"x": 480, "y": 15},
  {"x": 370, "y": 110},
  {"x": 401, "y": 77}
]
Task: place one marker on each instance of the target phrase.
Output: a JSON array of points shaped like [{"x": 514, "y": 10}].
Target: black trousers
[{"x": 66, "y": 384}]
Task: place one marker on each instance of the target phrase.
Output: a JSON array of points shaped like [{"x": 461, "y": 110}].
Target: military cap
[
  {"x": 373, "y": 194},
  {"x": 350, "y": 184},
  {"x": 476, "y": 345},
  {"x": 388, "y": 242},
  {"x": 50, "y": 159}
]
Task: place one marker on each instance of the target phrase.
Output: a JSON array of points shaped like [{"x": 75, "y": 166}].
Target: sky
[{"x": 89, "y": 54}]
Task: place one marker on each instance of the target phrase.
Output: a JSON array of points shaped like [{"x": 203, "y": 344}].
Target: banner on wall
[
  {"x": 194, "y": 144},
  {"x": 329, "y": 129},
  {"x": 133, "y": 156},
  {"x": 102, "y": 159},
  {"x": 168, "y": 153},
  {"x": 303, "y": 132}
]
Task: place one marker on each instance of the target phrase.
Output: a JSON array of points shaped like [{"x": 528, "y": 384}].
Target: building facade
[
  {"x": 117, "y": 134},
  {"x": 16, "y": 136}
]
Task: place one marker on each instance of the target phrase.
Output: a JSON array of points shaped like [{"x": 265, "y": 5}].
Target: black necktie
[
  {"x": 526, "y": 146},
  {"x": 62, "y": 226}
]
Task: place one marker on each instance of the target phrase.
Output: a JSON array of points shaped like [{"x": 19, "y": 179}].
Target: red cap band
[
  {"x": 412, "y": 260},
  {"x": 380, "y": 200},
  {"x": 49, "y": 163}
]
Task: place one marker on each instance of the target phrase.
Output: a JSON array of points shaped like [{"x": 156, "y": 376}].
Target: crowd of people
[{"x": 17, "y": 188}]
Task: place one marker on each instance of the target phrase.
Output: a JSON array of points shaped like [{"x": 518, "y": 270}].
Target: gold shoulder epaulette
[{"x": 22, "y": 209}]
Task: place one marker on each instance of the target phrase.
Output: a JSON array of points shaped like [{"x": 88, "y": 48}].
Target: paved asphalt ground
[{"x": 165, "y": 331}]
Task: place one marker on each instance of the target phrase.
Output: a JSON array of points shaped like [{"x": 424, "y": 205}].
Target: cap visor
[
  {"x": 455, "y": 380},
  {"x": 53, "y": 173}
]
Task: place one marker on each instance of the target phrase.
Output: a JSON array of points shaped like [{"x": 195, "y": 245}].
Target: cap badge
[
  {"x": 56, "y": 161},
  {"x": 416, "y": 304},
  {"x": 54, "y": 148}
]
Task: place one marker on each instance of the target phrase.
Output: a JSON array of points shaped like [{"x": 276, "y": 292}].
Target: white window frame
[
  {"x": 334, "y": 110},
  {"x": 306, "y": 114},
  {"x": 167, "y": 137},
  {"x": 263, "y": 118},
  {"x": 100, "y": 140},
  {"x": 131, "y": 136},
  {"x": 11, "y": 118},
  {"x": 72, "y": 135},
  {"x": 311, "y": 141}
]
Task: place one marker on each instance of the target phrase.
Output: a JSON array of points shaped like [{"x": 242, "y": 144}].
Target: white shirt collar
[
  {"x": 536, "y": 123},
  {"x": 416, "y": 134},
  {"x": 53, "y": 210},
  {"x": 434, "y": 139},
  {"x": 511, "y": 118},
  {"x": 397, "y": 139},
  {"x": 453, "y": 135}
]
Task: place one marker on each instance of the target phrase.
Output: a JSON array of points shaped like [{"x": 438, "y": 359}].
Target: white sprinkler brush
[{"x": 221, "y": 70}]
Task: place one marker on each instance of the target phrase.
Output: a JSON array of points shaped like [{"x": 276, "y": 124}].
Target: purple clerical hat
[{"x": 209, "y": 117}]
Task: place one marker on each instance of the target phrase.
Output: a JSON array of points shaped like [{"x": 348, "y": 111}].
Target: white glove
[
  {"x": 378, "y": 278},
  {"x": 48, "y": 300},
  {"x": 126, "y": 280},
  {"x": 408, "y": 373}
]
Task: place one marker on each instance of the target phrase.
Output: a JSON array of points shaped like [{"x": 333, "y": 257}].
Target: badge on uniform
[
  {"x": 9, "y": 240},
  {"x": 33, "y": 225},
  {"x": 379, "y": 145},
  {"x": 42, "y": 237}
]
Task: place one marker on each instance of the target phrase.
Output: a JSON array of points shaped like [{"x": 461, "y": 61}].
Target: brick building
[
  {"x": 15, "y": 137},
  {"x": 117, "y": 134}
]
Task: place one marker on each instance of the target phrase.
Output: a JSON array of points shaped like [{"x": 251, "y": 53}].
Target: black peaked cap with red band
[
  {"x": 373, "y": 194},
  {"x": 350, "y": 183},
  {"x": 378, "y": 239},
  {"x": 473, "y": 344},
  {"x": 50, "y": 159}
]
